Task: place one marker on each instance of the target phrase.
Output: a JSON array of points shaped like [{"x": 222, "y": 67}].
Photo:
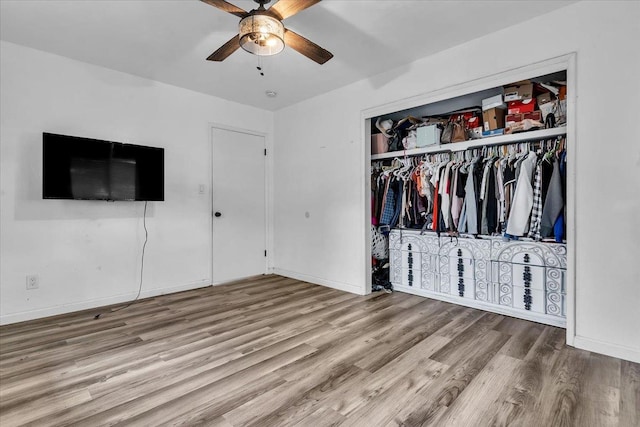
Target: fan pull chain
[{"x": 259, "y": 67}]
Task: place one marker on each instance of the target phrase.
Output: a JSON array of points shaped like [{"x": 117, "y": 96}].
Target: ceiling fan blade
[
  {"x": 227, "y": 7},
  {"x": 306, "y": 47},
  {"x": 287, "y": 8},
  {"x": 225, "y": 50}
]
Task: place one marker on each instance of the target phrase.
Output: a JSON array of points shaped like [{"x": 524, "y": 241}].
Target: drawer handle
[
  {"x": 526, "y": 277},
  {"x": 460, "y": 277}
]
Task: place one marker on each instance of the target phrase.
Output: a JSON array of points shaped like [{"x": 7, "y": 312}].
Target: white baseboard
[
  {"x": 341, "y": 286},
  {"x": 613, "y": 350},
  {"x": 84, "y": 305}
]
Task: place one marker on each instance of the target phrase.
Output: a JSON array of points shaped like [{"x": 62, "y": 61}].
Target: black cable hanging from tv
[{"x": 144, "y": 246}]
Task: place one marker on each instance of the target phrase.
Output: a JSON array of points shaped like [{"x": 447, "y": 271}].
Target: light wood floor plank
[
  {"x": 497, "y": 375},
  {"x": 417, "y": 360},
  {"x": 275, "y": 351},
  {"x": 559, "y": 399},
  {"x": 432, "y": 402},
  {"x": 629, "y": 393}
]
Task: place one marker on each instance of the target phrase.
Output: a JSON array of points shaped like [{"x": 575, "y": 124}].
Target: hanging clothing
[
  {"x": 491, "y": 212},
  {"x": 559, "y": 227},
  {"x": 500, "y": 194},
  {"x": 536, "y": 211},
  {"x": 445, "y": 199},
  {"x": 389, "y": 206},
  {"x": 478, "y": 172},
  {"x": 437, "y": 183},
  {"x": 487, "y": 191},
  {"x": 509, "y": 194},
  {"x": 509, "y": 179},
  {"x": 523, "y": 199},
  {"x": 457, "y": 194},
  {"x": 553, "y": 204},
  {"x": 397, "y": 185},
  {"x": 470, "y": 205},
  {"x": 547, "y": 171}
]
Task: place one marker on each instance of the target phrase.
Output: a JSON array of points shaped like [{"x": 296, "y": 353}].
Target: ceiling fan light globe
[{"x": 261, "y": 35}]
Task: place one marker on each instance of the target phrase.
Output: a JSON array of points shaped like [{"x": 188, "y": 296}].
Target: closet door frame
[{"x": 566, "y": 63}]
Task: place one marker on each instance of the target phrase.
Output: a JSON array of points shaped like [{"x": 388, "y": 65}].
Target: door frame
[{"x": 268, "y": 192}]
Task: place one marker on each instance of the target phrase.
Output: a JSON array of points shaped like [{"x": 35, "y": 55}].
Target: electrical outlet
[{"x": 33, "y": 282}]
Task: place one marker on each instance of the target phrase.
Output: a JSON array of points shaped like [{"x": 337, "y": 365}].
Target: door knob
[{"x": 217, "y": 214}]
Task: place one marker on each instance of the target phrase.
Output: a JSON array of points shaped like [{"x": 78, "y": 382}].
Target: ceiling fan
[{"x": 261, "y": 31}]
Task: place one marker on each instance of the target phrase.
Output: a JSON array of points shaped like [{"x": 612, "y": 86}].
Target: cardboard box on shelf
[
  {"x": 518, "y": 91},
  {"x": 544, "y": 98},
  {"x": 493, "y": 102},
  {"x": 519, "y": 107},
  {"x": 379, "y": 143},
  {"x": 523, "y": 122},
  {"x": 493, "y": 119},
  {"x": 474, "y": 122},
  {"x": 533, "y": 115},
  {"x": 428, "y": 135},
  {"x": 510, "y": 119}
]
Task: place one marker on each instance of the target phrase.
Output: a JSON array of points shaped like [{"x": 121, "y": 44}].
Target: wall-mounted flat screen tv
[{"x": 90, "y": 169}]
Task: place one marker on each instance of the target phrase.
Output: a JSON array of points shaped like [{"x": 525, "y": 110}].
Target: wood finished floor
[{"x": 273, "y": 351}]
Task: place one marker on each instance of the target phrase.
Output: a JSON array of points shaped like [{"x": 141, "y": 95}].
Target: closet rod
[
  {"x": 488, "y": 144},
  {"x": 536, "y": 135}
]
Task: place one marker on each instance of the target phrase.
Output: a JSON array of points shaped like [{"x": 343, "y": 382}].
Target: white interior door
[{"x": 239, "y": 209}]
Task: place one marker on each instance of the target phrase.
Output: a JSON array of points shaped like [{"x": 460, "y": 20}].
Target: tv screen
[{"x": 91, "y": 169}]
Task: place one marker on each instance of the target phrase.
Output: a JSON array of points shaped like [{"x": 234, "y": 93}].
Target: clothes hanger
[
  {"x": 401, "y": 171},
  {"x": 551, "y": 154},
  {"x": 387, "y": 170}
]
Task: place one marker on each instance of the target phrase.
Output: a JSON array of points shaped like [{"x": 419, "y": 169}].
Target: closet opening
[{"x": 470, "y": 194}]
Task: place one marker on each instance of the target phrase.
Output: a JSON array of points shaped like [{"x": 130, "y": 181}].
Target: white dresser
[{"x": 518, "y": 278}]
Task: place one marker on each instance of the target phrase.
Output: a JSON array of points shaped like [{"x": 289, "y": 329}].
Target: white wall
[
  {"x": 87, "y": 253},
  {"x": 319, "y": 167}
]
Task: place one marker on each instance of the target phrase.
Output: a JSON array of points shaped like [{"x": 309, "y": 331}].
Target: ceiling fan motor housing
[{"x": 261, "y": 33}]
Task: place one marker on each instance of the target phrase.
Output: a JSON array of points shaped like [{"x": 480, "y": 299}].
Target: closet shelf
[{"x": 535, "y": 135}]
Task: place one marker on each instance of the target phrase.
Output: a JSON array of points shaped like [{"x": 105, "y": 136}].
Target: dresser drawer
[
  {"x": 411, "y": 277},
  {"x": 536, "y": 300},
  {"x": 411, "y": 259},
  {"x": 465, "y": 266},
  {"x": 534, "y": 275},
  {"x": 454, "y": 286}
]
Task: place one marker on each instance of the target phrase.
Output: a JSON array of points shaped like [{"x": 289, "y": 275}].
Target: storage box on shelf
[
  {"x": 521, "y": 107},
  {"x": 379, "y": 144},
  {"x": 518, "y": 91},
  {"x": 518, "y": 278},
  {"x": 493, "y": 119},
  {"x": 495, "y": 101},
  {"x": 428, "y": 135}
]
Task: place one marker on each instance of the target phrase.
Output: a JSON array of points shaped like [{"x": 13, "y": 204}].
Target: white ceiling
[{"x": 168, "y": 41}]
